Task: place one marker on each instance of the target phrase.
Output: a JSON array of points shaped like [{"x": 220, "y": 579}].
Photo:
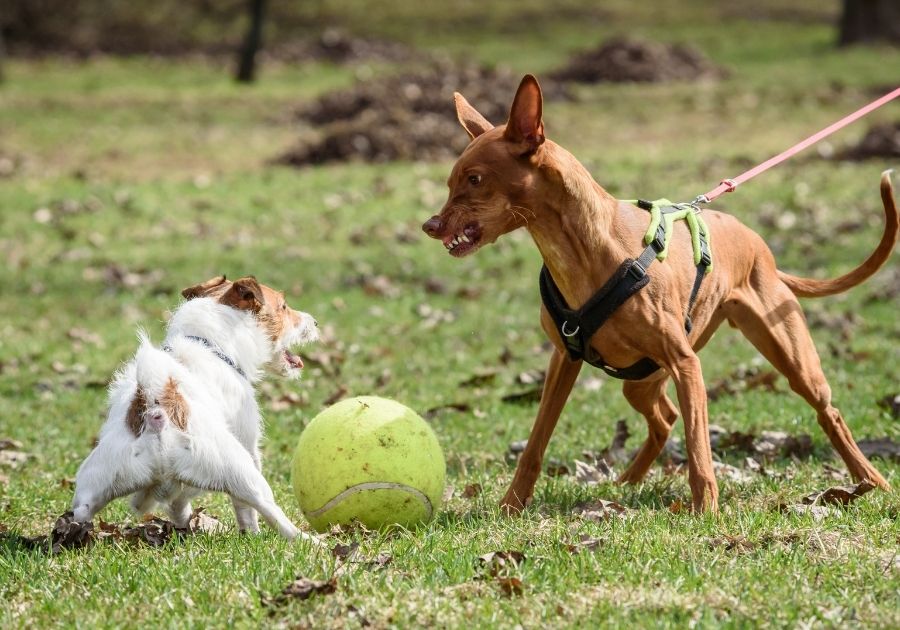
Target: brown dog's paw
[{"x": 511, "y": 505}]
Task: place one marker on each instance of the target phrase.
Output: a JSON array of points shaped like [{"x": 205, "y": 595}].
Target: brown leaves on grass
[
  {"x": 471, "y": 490},
  {"x": 592, "y": 474},
  {"x": 434, "y": 412},
  {"x": 891, "y": 402},
  {"x": 584, "y": 543},
  {"x": 821, "y": 504},
  {"x": 10, "y": 455},
  {"x": 601, "y": 510},
  {"x": 499, "y": 566},
  {"x": 742, "y": 379},
  {"x": 68, "y": 533},
  {"x": 300, "y": 589},
  {"x": 883, "y": 447},
  {"x": 839, "y": 495}
]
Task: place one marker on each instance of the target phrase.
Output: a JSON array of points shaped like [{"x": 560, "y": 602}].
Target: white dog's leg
[
  {"x": 246, "y": 516},
  {"x": 105, "y": 475},
  {"x": 227, "y": 466},
  {"x": 143, "y": 501},
  {"x": 180, "y": 508}
]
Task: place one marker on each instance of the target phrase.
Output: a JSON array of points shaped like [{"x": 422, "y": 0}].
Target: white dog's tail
[{"x": 156, "y": 373}]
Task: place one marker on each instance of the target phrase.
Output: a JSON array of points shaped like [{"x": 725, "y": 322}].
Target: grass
[{"x": 158, "y": 168}]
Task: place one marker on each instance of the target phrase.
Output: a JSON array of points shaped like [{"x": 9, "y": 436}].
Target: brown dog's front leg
[
  {"x": 561, "y": 375},
  {"x": 688, "y": 377}
]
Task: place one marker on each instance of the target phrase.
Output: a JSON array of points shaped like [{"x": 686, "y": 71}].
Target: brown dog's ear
[
  {"x": 525, "y": 126},
  {"x": 203, "y": 289},
  {"x": 473, "y": 122},
  {"x": 244, "y": 294}
]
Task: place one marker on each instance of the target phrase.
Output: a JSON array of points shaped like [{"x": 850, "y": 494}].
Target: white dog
[{"x": 183, "y": 418}]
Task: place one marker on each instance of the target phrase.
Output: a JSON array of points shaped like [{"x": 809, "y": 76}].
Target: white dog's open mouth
[{"x": 292, "y": 361}]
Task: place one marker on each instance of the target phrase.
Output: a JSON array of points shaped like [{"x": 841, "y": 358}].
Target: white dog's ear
[
  {"x": 203, "y": 289},
  {"x": 244, "y": 294}
]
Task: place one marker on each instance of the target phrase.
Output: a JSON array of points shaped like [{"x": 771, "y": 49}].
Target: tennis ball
[{"x": 371, "y": 460}]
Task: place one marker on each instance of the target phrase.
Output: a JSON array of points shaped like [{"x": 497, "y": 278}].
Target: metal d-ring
[{"x": 568, "y": 334}]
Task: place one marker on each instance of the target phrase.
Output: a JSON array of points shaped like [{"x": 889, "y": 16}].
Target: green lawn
[{"x": 135, "y": 178}]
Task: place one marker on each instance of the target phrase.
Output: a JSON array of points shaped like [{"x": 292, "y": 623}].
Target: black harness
[
  {"x": 214, "y": 349},
  {"x": 576, "y": 327}
]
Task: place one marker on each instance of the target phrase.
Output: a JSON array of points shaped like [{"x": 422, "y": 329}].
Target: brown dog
[{"x": 511, "y": 176}]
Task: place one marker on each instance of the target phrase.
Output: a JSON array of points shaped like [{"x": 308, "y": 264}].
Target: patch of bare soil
[
  {"x": 624, "y": 60},
  {"x": 339, "y": 46},
  {"x": 408, "y": 116},
  {"x": 880, "y": 141}
]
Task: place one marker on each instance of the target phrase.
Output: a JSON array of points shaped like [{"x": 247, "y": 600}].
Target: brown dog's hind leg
[
  {"x": 649, "y": 399},
  {"x": 561, "y": 375},
  {"x": 776, "y": 326}
]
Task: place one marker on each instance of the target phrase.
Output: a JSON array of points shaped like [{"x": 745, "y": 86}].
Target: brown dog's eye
[{"x": 474, "y": 179}]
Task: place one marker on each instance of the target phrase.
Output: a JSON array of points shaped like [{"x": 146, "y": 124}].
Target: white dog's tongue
[{"x": 293, "y": 360}]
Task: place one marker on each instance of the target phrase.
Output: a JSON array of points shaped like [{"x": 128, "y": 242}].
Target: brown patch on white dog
[
  {"x": 244, "y": 294},
  {"x": 204, "y": 289},
  {"x": 134, "y": 419},
  {"x": 174, "y": 404}
]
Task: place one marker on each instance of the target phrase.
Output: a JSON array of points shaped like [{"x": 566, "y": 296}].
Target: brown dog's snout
[{"x": 433, "y": 226}]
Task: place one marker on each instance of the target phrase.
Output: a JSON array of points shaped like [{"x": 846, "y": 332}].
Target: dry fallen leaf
[
  {"x": 510, "y": 586},
  {"x": 480, "y": 378},
  {"x": 584, "y": 543},
  {"x": 601, "y": 510},
  {"x": 883, "y": 447},
  {"x": 9, "y": 444},
  {"x": 526, "y": 397},
  {"x": 556, "y": 468},
  {"x": 839, "y": 495},
  {"x": 301, "y": 588},
  {"x": 471, "y": 490},
  {"x": 727, "y": 471},
  {"x": 200, "y": 521},
  {"x": 591, "y": 475},
  {"x": 339, "y": 393},
  {"x": 153, "y": 531},
  {"x": 615, "y": 453},
  {"x": 891, "y": 402},
  {"x": 731, "y": 543},
  {"x": 70, "y": 534},
  {"x": 13, "y": 459},
  {"x": 433, "y": 412},
  {"x": 495, "y": 563},
  {"x": 817, "y": 512}
]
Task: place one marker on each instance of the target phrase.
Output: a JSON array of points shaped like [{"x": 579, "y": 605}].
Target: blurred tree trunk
[
  {"x": 867, "y": 21},
  {"x": 246, "y": 71}
]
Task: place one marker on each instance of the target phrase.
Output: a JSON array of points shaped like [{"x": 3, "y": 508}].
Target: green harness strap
[{"x": 676, "y": 212}]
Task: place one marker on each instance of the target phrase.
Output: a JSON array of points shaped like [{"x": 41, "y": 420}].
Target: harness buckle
[
  {"x": 562, "y": 330},
  {"x": 637, "y": 270}
]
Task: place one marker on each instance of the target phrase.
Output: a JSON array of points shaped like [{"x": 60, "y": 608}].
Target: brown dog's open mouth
[
  {"x": 292, "y": 360},
  {"x": 465, "y": 242}
]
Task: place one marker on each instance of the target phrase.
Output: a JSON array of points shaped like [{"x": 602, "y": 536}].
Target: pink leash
[{"x": 728, "y": 185}]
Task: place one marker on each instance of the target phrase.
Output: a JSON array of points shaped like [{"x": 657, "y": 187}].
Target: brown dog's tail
[{"x": 808, "y": 287}]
